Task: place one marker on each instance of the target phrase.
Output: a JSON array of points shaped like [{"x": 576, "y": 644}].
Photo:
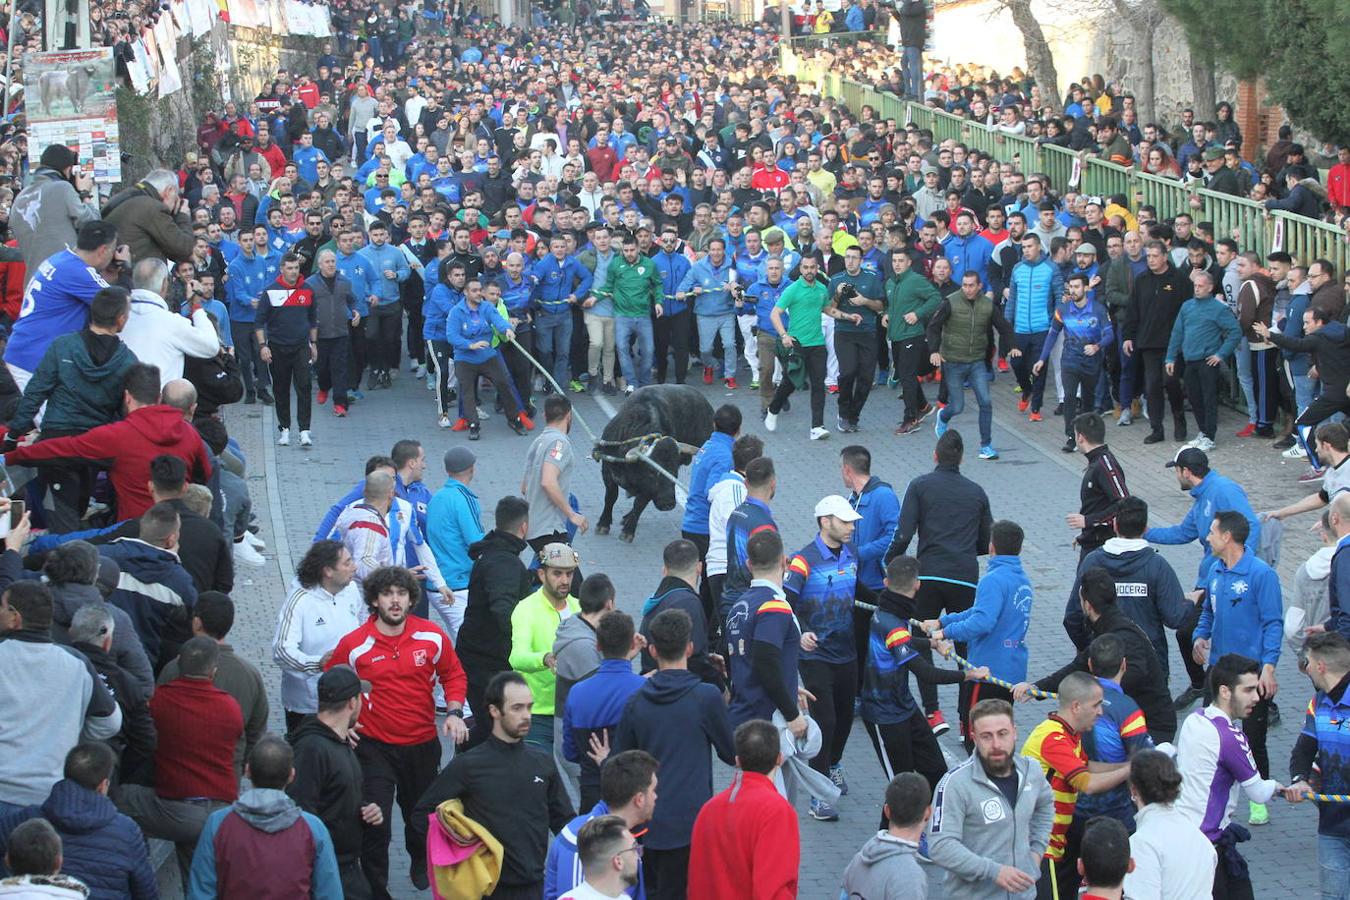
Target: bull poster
[{"x": 69, "y": 98}]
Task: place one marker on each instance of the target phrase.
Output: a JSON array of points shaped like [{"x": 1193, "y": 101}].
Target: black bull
[{"x": 678, "y": 412}]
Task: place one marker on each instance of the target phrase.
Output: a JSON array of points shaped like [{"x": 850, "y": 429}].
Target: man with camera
[{"x": 47, "y": 213}]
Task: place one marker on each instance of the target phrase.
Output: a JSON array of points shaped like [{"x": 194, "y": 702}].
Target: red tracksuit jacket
[{"x": 745, "y": 844}]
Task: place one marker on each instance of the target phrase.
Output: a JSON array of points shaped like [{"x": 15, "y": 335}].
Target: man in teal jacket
[
  {"x": 1205, "y": 334},
  {"x": 454, "y": 523}
]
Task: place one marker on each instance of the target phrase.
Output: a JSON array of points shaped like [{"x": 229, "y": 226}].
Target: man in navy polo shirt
[{"x": 822, "y": 581}]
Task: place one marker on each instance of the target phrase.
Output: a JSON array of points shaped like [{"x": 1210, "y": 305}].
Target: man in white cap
[
  {"x": 822, "y": 581},
  {"x": 534, "y": 626}
]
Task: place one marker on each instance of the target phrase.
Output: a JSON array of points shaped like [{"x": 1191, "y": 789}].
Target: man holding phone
[{"x": 48, "y": 213}]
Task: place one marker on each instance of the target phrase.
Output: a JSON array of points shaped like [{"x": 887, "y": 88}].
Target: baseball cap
[
  {"x": 559, "y": 556},
  {"x": 341, "y": 683},
  {"x": 1086, "y": 248},
  {"x": 459, "y": 459},
  {"x": 1213, "y": 153},
  {"x": 837, "y": 506},
  {"x": 1190, "y": 458}
]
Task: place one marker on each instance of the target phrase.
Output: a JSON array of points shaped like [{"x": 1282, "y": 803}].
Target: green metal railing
[{"x": 1305, "y": 239}]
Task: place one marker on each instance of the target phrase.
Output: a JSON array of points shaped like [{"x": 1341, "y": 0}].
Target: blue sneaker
[
  {"x": 837, "y": 776},
  {"x": 356, "y": 395},
  {"x": 939, "y": 424},
  {"x": 822, "y": 811},
  {"x": 988, "y": 452}
]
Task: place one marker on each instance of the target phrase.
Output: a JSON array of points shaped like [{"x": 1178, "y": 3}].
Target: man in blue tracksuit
[
  {"x": 708, "y": 282},
  {"x": 764, "y": 294},
  {"x": 1242, "y": 612},
  {"x": 1211, "y": 493},
  {"x": 356, "y": 268},
  {"x": 1035, "y": 286},
  {"x": 384, "y": 328},
  {"x": 252, "y": 271},
  {"x": 877, "y": 503},
  {"x": 559, "y": 282},
  {"x": 968, "y": 251},
  {"x": 821, "y": 586},
  {"x": 671, "y": 331},
  {"x": 445, "y": 296},
  {"x": 995, "y": 628},
  {"x": 1087, "y": 335},
  {"x": 712, "y": 462},
  {"x": 627, "y": 790},
  {"x": 595, "y": 704}
]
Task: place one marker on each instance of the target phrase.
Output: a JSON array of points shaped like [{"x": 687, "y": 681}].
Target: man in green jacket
[
  {"x": 635, "y": 286},
  {"x": 804, "y": 301},
  {"x": 80, "y": 380},
  {"x": 911, "y": 300},
  {"x": 534, "y": 626}
]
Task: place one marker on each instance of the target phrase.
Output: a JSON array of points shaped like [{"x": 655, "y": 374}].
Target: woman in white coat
[{"x": 1167, "y": 847}]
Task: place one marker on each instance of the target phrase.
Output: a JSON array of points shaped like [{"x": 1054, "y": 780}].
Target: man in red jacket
[
  {"x": 403, "y": 657},
  {"x": 745, "y": 839},
  {"x": 153, "y": 426}
]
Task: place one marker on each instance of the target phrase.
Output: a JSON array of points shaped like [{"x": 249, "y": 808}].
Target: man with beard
[
  {"x": 403, "y": 657},
  {"x": 509, "y": 787},
  {"x": 979, "y": 802}
]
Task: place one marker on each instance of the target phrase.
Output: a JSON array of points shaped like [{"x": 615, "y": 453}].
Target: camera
[{"x": 847, "y": 291}]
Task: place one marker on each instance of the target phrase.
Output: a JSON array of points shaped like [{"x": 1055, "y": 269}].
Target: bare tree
[
  {"x": 1040, "y": 61},
  {"x": 1203, "y": 89},
  {"x": 1142, "y": 17}
]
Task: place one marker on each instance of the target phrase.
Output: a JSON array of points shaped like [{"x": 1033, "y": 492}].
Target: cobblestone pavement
[{"x": 1032, "y": 483}]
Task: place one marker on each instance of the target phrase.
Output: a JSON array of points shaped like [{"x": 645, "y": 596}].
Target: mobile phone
[{"x": 16, "y": 510}]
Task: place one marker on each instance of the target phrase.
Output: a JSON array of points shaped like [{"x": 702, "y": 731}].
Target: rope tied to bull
[{"x": 964, "y": 663}]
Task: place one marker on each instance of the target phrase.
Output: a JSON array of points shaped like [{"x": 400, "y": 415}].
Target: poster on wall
[{"x": 71, "y": 100}]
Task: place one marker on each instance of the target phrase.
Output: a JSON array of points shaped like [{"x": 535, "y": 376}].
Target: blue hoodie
[
  {"x": 1212, "y": 495},
  {"x": 996, "y": 626},
  {"x": 245, "y": 279},
  {"x": 436, "y": 311},
  {"x": 880, "y": 511},
  {"x": 465, "y": 327},
  {"x": 593, "y": 706},
  {"x": 715, "y": 299},
  {"x": 382, "y": 258},
  {"x": 454, "y": 521},
  {"x": 562, "y": 870},
  {"x": 712, "y": 462},
  {"x": 356, "y": 269},
  {"x": 969, "y": 254},
  {"x": 1243, "y": 611},
  {"x": 152, "y": 587}
]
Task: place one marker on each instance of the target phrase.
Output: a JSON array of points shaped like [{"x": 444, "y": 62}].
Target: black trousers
[
  {"x": 909, "y": 357},
  {"x": 834, "y": 686},
  {"x": 1075, "y": 383},
  {"x": 494, "y": 370},
  {"x": 907, "y": 746},
  {"x": 1266, "y": 385},
  {"x": 522, "y": 372},
  {"x": 293, "y": 719},
  {"x": 1228, "y": 887},
  {"x": 815, "y": 359},
  {"x": 383, "y": 330},
  {"x": 331, "y": 367},
  {"x": 665, "y": 873},
  {"x": 1185, "y": 638},
  {"x": 1318, "y": 411},
  {"x": 936, "y": 597},
  {"x": 671, "y": 334},
  {"x": 69, "y": 483},
  {"x": 1202, "y": 388},
  {"x": 356, "y": 363},
  {"x": 1064, "y": 884},
  {"x": 1156, "y": 382},
  {"x": 290, "y": 366},
  {"x": 518, "y": 891},
  {"x": 442, "y": 363},
  {"x": 416, "y": 345},
  {"x": 251, "y": 368},
  {"x": 392, "y": 772},
  {"x": 857, "y": 355}
]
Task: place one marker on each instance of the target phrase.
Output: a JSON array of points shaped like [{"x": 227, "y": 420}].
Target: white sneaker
[
  {"x": 412, "y": 365},
  {"x": 419, "y": 371},
  {"x": 771, "y": 421},
  {"x": 431, "y": 384},
  {"x": 819, "y": 434},
  {"x": 444, "y": 421},
  {"x": 1196, "y": 442},
  {"x": 254, "y": 541},
  {"x": 284, "y": 437},
  {"x": 1205, "y": 445},
  {"x": 483, "y": 415},
  {"x": 245, "y": 554},
  {"x": 1295, "y": 452},
  {"x": 306, "y": 440}
]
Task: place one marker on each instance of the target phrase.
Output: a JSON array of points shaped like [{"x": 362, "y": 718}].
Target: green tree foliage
[{"x": 1300, "y": 47}]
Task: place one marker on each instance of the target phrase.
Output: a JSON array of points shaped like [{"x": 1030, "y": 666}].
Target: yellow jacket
[{"x": 474, "y": 876}]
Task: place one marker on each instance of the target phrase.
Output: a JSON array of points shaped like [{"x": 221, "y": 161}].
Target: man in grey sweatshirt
[
  {"x": 992, "y": 814},
  {"x": 887, "y": 867}
]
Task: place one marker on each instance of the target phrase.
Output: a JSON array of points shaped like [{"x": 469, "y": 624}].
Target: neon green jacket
[{"x": 534, "y": 625}]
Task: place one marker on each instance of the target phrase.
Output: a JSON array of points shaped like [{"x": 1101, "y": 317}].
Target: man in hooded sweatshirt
[
  {"x": 679, "y": 575},
  {"x": 263, "y": 844},
  {"x": 576, "y": 656},
  {"x": 887, "y": 866},
  {"x": 674, "y": 694}
]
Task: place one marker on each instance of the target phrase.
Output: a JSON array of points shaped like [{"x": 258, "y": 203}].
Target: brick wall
[{"x": 1260, "y": 122}]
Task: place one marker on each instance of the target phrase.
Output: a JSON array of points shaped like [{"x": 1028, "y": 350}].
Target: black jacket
[
  {"x": 952, "y": 517},
  {"x": 135, "y": 743},
  {"x": 328, "y": 784},
  {"x": 512, "y": 790},
  {"x": 497, "y": 582},
  {"x": 674, "y": 593},
  {"x": 1099, "y": 496},
  {"x": 1143, "y": 681},
  {"x": 1155, "y": 302},
  {"x": 202, "y": 550},
  {"x": 913, "y": 18},
  {"x": 1330, "y": 344}
]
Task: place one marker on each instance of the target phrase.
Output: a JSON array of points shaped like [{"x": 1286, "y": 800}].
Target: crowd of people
[{"x": 572, "y": 210}]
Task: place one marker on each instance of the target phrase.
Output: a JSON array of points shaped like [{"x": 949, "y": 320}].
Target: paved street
[{"x": 1033, "y": 483}]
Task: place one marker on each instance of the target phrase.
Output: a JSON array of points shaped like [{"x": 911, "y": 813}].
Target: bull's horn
[{"x": 687, "y": 448}]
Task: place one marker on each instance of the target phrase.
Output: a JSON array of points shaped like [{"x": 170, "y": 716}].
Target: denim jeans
[
  {"x": 710, "y": 327},
  {"x": 1333, "y": 858},
  {"x": 1131, "y": 378},
  {"x": 912, "y": 66},
  {"x": 955, "y": 374},
  {"x": 1244, "y": 374},
  {"x": 553, "y": 340},
  {"x": 635, "y": 362}
]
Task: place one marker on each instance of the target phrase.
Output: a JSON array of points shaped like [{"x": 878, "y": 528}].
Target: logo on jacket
[
  {"x": 419, "y": 658},
  {"x": 993, "y": 811},
  {"x": 537, "y": 780}
]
